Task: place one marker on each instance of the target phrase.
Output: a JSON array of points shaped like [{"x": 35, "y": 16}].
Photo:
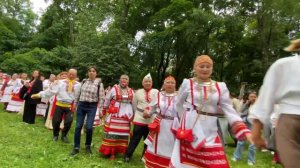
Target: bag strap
[
  {"x": 182, "y": 122},
  {"x": 219, "y": 92},
  {"x": 192, "y": 91},
  {"x": 158, "y": 100},
  {"x": 83, "y": 81}
]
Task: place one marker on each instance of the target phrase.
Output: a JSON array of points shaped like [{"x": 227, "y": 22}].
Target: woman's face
[
  {"x": 203, "y": 70},
  {"x": 169, "y": 86},
  {"x": 92, "y": 73},
  {"x": 124, "y": 81},
  {"x": 252, "y": 97},
  {"x": 35, "y": 74},
  {"x": 24, "y": 76},
  {"x": 63, "y": 76},
  {"x": 14, "y": 77}
]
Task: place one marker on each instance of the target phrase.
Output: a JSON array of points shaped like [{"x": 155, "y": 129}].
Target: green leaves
[{"x": 242, "y": 37}]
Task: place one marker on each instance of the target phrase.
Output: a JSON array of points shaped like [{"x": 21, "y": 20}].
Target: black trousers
[
  {"x": 138, "y": 133},
  {"x": 29, "y": 113},
  {"x": 57, "y": 118}
]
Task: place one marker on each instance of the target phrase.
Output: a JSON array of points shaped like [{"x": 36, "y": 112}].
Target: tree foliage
[{"x": 159, "y": 36}]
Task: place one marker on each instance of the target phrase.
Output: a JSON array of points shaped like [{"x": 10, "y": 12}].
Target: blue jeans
[
  {"x": 240, "y": 146},
  {"x": 89, "y": 110},
  {"x": 239, "y": 149}
]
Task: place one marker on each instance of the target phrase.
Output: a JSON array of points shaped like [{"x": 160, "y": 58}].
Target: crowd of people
[{"x": 181, "y": 129}]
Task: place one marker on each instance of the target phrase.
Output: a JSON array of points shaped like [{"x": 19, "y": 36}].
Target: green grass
[{"x": 23, "y": 145}]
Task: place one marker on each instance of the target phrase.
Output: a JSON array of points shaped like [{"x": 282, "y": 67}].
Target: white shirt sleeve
[
  {"x": 153, "y": 105},
  {"x": 51, "y": 91}
]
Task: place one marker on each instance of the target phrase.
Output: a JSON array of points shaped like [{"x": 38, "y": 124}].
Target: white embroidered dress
[
  {"x": 206, "y": 149},
  {"x": 160, "y": 145}
]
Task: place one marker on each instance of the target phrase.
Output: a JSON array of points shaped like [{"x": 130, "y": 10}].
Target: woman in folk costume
[
  {"x": 161, "y": 138},
  {"x": 8, "y": 91},
  {"x": 2, "y": 80},
  {"x": 16, "y": 103},
  {"x": 199, "y": 99},
  {"x": 52, "y": 101},
  {"x": 118, "y": 104},
  {"x": 42, "y": 107}
]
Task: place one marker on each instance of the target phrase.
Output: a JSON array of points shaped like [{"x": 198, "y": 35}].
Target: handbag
[
  {"x": 155, "y": 125},
  {"x": 112, "y": 108},
  {"x": 186, "y": 134}
]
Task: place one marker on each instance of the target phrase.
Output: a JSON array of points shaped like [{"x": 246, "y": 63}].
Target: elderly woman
[
  {"x": 118, "y": 104},
  {"x": 161, "y": 139},
  {"x": 16, "y": 103},
  {"x": 12, "y": 84},
  {"x": 199, "y": 99}
]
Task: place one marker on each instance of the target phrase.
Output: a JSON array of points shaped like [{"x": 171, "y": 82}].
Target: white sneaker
[
  {"x": 250, "y": 164},
  {"x": 234, "y": 159},
  {"x": 264, "y": 150}
]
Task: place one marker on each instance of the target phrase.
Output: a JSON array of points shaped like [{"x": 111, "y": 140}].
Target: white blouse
[{"x": 217, "y": 101}]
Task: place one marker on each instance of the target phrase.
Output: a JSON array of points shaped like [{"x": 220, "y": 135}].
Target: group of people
[{"x": 180, "y": 129}]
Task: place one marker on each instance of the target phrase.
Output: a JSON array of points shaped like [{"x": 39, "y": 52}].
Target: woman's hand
[
  {"x": 35, "y": 96},
  {"x": 249, "y": 138},
  {"x": 257, "y": 139},
  {"x": 259, "y": 142},
  {"x": 146, "y": 114},
  {"x": 27, "y": 84}
]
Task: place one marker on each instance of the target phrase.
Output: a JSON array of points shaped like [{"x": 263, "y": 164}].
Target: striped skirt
[{"x": 116, "y": 134}]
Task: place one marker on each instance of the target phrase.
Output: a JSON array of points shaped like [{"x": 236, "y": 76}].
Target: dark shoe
[
  {"x": 55, "y": 138},
  {"x": 112, "y": 157},
  {"x": 88, "y": 150},
  {"x": 65, "y": 139},
  {"x": 74, "y": 152},
  {"x": 126, "y": 159}
]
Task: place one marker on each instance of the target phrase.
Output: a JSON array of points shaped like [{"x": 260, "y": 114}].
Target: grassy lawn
[{"x": 23, "y": 145}]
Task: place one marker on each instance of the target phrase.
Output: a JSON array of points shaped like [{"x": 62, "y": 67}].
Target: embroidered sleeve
[
  {"x": 106, "y": 101},
  {"x": 238, "y": 126},
  {"x": 239, "y": 129},
  {"x": 108, "y": 98}
]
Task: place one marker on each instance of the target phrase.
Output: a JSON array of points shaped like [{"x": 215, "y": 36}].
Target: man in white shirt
[
  {"x": 281, "y": 86},
  {"x": 141, "y": 100},
  {"x": 66, "y": 91}
]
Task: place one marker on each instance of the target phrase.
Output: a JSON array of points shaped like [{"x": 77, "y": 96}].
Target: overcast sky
[{"x": 39, "y": 6}]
